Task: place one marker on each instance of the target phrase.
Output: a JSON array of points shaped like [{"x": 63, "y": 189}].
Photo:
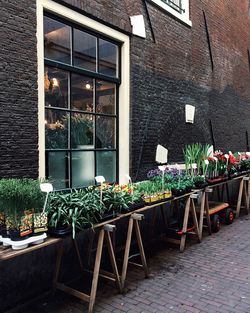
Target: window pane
[
  {"x": 108, "y": 58},
  {"x": 56, "y": 85},
  {"x": 82, "y": 131},
  {"x": 106, "y": 165},
  {"x": 83, "y": 168},
  {"x": 56, "y": 129},
  {"x": 105, "y": 97},
  {"x": 84, "y": 50},
  {"x": 82, "y": 93},
  {"x": 57, "y": 41},
  {"x": 57, "y": 169},
  {"x": 105, "y": 132}
]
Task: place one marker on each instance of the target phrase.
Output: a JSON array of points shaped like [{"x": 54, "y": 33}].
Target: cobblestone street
[{"x": 213, "y": 276}]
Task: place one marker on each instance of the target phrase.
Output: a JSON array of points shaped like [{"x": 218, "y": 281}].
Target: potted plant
[
  {"x": 200, "y": 182},
  {"x": 16, "y": 198}
]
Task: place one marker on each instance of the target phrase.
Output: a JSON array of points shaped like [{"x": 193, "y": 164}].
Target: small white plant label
[{"x": 100, "y": 179}]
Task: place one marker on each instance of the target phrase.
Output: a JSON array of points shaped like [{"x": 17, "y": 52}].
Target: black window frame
[{"x": 70, "y": 68}]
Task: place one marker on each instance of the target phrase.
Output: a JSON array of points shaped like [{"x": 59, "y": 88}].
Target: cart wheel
[
  {"x": 229, "y": 217},
  {"x": 215, "y": 223}
]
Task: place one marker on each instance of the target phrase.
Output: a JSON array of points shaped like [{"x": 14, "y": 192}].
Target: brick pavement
[{"x": 213, "y": 276}]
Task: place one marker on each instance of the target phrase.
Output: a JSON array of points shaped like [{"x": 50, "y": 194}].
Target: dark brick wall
[
  {"x": 165, "y": 75},
  {"x": 176, "y": 70},
  {"x": 18, "y": 92}
]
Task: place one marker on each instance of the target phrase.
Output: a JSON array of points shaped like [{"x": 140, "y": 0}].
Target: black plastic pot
[
  {"x": 201, "y": 185},
  {"x": 14, "y": 235},
  {"x": 60, "y": 231},
  {"x": 107, "y": 216},
  {"x": 136, "y": 206},
  {"x": 3, "y": 231}
]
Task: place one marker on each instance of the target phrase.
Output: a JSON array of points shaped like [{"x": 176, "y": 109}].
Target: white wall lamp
[
  {"x": 138, "y": 25},
  {"x": 190, "y": 110}
]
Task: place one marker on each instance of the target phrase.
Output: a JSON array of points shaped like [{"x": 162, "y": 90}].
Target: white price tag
[{"x": 100, "y": 179}]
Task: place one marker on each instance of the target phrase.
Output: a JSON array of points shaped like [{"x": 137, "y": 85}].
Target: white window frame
[
  {"x": 184, "y": 16},
  {"x": 124, "y": 89}
]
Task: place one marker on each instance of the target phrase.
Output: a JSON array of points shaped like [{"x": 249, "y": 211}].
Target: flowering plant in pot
[
  {"x": 131, "y": 195},
  {"x": 232, "y": 165}
]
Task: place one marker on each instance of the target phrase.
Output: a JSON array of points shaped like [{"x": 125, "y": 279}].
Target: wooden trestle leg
[
  {"x": 58, "y": 264},
  {"x": 133, "y": 222},
  {"x": 239, "y": 198},
  {"x": 185, "y": 224},
  {"x": 201, "y": 221},
  {"x": 103, "y": 234}
]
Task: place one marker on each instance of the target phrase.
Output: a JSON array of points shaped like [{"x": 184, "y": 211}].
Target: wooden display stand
[
  {"x": 189, "y": 209},
  {"x": 134, "y": 223},
  {"x": 90, "y": 298}
]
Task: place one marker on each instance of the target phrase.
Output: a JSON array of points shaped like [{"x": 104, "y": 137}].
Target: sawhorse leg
[
  {"x": 104, "y": 234},
  {"x": 243, "y": 190},
  {"x": 194, "y": 216},
  {"x": 185, "y": 224},
  {"x": 246, "y": 193},
  {"x": 133, "y": 222},
  {"x": 201, "y": 221},
  {"x": 58, "y": 264}
]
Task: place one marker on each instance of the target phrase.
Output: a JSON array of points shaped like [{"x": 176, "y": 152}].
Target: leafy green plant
[
  {"x": 78, "y": 209},
  {"x": 18, "y": 196}
]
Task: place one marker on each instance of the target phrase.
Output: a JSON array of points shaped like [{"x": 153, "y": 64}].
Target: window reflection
[
  {"x": 82, "y": 93},
  {"x": 108, "y": 58},
  {"x": 57, "y": 41},
  {"x": 84, "y": 50},
  {"x": 105, "y": 132},
  {"x": 82, "y": 131},
  {"x": 105, "y": 97},
  {"x": 56, "y": 129},
  {"x": 56, "y": 85}
]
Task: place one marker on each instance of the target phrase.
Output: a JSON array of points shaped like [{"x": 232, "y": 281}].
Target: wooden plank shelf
[{"x": 7, "y": 253}]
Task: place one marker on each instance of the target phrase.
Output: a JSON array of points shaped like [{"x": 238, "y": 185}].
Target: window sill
[{"x": 183, "y": 18}]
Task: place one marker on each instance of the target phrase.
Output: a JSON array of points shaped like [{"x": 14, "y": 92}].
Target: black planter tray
[
  {"x": 216, "y": 180},
  {"x": 135, "y": 206},
  {"x": 60, "y": 231}
]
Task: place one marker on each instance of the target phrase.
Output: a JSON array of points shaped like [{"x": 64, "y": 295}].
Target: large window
[{"x": 81, "y": 81}]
